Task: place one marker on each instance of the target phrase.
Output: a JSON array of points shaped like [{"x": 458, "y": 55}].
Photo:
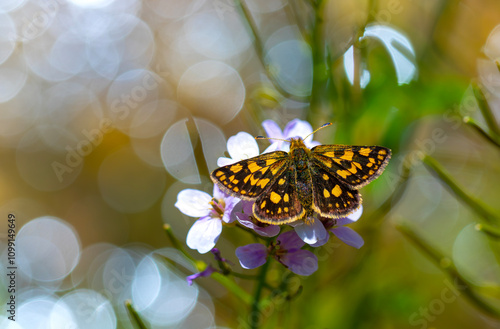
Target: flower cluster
[{"x": 213, "y": 212}]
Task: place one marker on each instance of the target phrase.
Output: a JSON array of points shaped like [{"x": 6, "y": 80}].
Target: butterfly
[{"x": 287, "y": 187}]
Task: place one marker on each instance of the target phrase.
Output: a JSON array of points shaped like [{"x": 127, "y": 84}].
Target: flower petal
[
  {"x": 272, "y": 129},
  {"x": 223, "y": 161},
  {"x": 276, "y": 146},
  {"x": 268, "y": 231},
  {"x": 207, "y": 272},
  {"x": 242, "y": 146},
  {"x": 321, "y": 242},
  {"x": 290, "y": 241},
  {"x": 193, "y": 203},
  {"x": 312, "y": 231},
  {"x": 352, "y": 218},
  {"x": 348, "y": 236},
  {"x": 204, "y": 233},
  {"x": 298, "y": 128},
  {"x": 252, "y": 255},
  {"x": 301, "y": 262},
  {"x": 231, "y": 202}
]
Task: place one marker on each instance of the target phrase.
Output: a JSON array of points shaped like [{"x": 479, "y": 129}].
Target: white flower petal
[
  {"x": 273, "y": 147},
  {"x": 223, "y": 161},
  {"x": 272, "y": 129},
  {"x": 296, "y": 128},
  {"x": 311, "y": 232},
  {"x": 242, "y": 146},
  {"x": 193, "y": 203},
  {"x": 204, "y": 233},
  {"x": 348, "y": 236}
]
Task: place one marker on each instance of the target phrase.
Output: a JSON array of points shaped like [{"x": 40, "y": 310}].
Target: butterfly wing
[
  {"x": 331, "y": 197},
  {"x": 247, "y": 179},
  {"x": 280, "y": 204},
  {"x": 355, "y": 166}
]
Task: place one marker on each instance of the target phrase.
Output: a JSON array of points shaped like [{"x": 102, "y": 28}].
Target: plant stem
[
  {"x": 177, "y": 245},
  {"x": 492, "y": 139},
  {"x": 134, "y": 315},
  {"x": 480, "y": 208},
  {"x": 449, "y": 268},
  {"x": 254, "y": 313},
  {"x": 233, "y": 287},
  {"x": 485, "y": 108},
  {"x": 259, "y": 48}
]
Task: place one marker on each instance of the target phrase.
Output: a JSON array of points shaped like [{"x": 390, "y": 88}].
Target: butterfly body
[{"x": 291, "y": 186}]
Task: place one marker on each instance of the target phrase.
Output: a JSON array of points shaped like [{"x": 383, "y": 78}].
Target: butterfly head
[{"x": 297, "y": 143}]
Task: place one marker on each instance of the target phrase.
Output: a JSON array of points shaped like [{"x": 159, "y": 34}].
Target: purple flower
[
  {"x": 207, "y": 272},
  {"x": 212, "y": 213},
  {"x": 287, "y": 250},
  {"x": 240, "y": 147},
  {"x": 345, "y": 234},
  {"x": 244, "y": 215},
  {"x": 295, "y": 128},
  {"x": 314, "y": 231}
]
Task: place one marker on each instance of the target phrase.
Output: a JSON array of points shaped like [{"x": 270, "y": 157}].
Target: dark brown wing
[
  {"x": 280, "y": 204},
  {"x": 354, "y": 166},
  {"x": 331, "y": 197},
  {"x": 248, "y": 178}
]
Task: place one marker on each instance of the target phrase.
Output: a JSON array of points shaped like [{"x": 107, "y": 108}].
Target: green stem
[
  {"x": 485, "y": 109},
  {"x": 135, "y": 317},
  {"x": 489, "y": 230},
  {"x": 259, "y": 48},
  {"x": 480, "y": 208},
  {"x": 492, "y": 139},
  {"x": 254, "y": 313},
  {"x": 449, "y": 268},
  {"x": 321, "y": 96},
  {"x": 177, "y": 245},
  {"x": 232, "y": 287}
]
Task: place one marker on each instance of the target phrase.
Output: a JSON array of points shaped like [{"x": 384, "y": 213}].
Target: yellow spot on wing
[
  {"x": 275, "y": 197},
  {"x": 219, "y": 173},
  {"x": 357, "y": 165},
  {"x": 337, "y": 191},
  {"x": 353, "y": 169},
  {"x": 372, "y": 160},
  {"x": 382, "y": 151},
  {"x": 263, "y": 182},
  {"x": 263, "y": 204},
  {"x": 236, "y": 167},
  {"x": 325, "y": 177},
  {"x": 365, "y": 151},
  {"x": 223, "y": 177},
  {"x": 231, "y": 178},
  {"x": 347, "y": 155},
  {"x": 279, "y": 210},
  {"x": 343, "y": 173},
  {"x": 235, "y": 181},
  {"x": 236, "y": 189},
  {"x": 253, "y": 181},
  {"x": 326, "y": 194},
  {"x": 285, "y": 209},
  {"x": 285, "y": 198},
  {"x": 282, "y": 181},
  {"x": 253, "y": 167},
  {"x": 263, "y": 170},
  {"x": 270, "y": 162}
]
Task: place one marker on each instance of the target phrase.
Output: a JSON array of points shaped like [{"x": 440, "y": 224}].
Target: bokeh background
[{"x": 108, "y": 108}]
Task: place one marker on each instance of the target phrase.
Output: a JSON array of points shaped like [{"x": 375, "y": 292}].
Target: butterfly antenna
[
  {"x": 323, "y": 126},
  {"x": 278, "y": 139}
]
